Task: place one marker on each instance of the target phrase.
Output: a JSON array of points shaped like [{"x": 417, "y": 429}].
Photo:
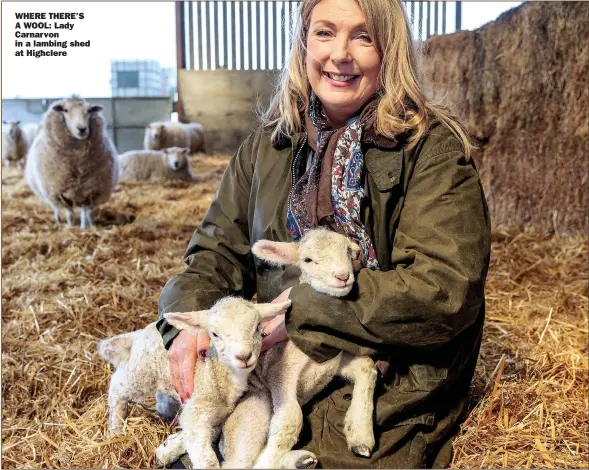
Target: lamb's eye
[
  {"x": 214, "y": 335},
  {"x": 64, "y": 110},
  {"x": 308, "y": 260}
]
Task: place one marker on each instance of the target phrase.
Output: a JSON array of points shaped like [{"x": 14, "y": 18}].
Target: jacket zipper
[{"x": 294, "y": 163}]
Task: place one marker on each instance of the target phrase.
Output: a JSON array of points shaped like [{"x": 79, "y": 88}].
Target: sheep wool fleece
[{"x": 423, "y": 311}]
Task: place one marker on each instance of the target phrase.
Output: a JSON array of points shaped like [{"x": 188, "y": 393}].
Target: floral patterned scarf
[{"x": 331, "y": 191}]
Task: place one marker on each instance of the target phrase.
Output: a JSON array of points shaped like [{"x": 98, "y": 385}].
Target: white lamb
[
  {"x": 234, "y": 326},
  {"x": 14, "y": 144},
  {"x": 326, "y": 260},
  {"x": 167, "y": 164},
  {"x": 72, "y": 162},
  {"x": 141, "y": 364}
]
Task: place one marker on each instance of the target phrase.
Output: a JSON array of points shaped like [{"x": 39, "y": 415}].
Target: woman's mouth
[{"x": 340, "y": 79}]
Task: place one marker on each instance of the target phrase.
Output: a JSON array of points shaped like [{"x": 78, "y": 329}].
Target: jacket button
[
  {"x": 347, "y": 396},
  {"x": 391, "y": 175}
]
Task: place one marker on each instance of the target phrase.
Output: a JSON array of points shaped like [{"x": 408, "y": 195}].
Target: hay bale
[{"x": 521, "y": 84}]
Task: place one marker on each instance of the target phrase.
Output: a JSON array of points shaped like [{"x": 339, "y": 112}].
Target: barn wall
[{"x": 224, "y": 101}]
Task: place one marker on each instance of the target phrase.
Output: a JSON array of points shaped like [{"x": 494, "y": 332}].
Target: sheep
[
  {"x": 141, "y": 371},
  {"x": 234, "y": 325},
  {"x": 164, "y": 134},
  {"x": 14, "y": 144},
  {"x": 167, "y": 164},
  {"x": 196, "y": 132},
  {"x": 72, "y": 162},
  {"x": 326, "y": 260},
  {"x": 31, "y": 130}
]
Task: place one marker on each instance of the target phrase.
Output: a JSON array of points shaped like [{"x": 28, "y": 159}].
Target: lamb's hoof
[
  {"x": 306, "y": 462},
  {"x": 297, "y": 459},
  {"x": 361, "y": 451}
]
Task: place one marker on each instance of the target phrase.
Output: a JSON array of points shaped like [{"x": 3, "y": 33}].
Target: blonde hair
[{"x": 403, "y": 105}]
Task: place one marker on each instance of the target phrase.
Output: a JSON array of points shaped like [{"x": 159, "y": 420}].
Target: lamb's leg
[
  {"x": 86, "y": 218},
  {"x": 298, "y": 459},
  {"x": 285, "y": 426},
  {"x": 245, "y": 431},
  {"x": 171, "y": 449},
  {"x": 201, "y": 426},
  {"x": 358, "y": 422},
  {"x": 118, "y": 407}
]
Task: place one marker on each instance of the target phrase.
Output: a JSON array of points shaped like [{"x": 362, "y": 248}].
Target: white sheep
[
  {"x": 14, "y": 144},
  {"x": 326, "y": 260},
  {"x": 166, "y": 164},
  {"x": 165, "y": 134},
  {"x": 141, "y": 364},
  {"x": 72, "y": 162},
  {"x": 196, "y": 133},
  {"x": 31, "y": 130},
  {"x": 142, "y": 369}
]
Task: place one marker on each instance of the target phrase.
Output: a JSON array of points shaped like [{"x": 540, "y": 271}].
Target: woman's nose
[{"x": 340, "y": 53}]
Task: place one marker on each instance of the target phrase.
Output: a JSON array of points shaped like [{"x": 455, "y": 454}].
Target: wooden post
[{"x": 180, "y": 55}]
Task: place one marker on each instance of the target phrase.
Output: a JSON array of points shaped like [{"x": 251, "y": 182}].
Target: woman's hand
[
  {"x": 183, "y": 352},
  {"x": 274, "y": 328}
]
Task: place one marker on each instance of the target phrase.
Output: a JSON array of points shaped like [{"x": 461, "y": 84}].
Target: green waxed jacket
[{"x": 423, "y": 311}]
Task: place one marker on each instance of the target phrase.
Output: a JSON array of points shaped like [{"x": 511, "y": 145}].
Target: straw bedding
[{"x": 65, "y": 289}]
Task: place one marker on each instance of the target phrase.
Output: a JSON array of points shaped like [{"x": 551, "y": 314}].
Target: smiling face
[{"x": 343, "y": 64}]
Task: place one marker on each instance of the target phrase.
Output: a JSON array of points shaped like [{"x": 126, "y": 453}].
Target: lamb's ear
[
  {"x": 185, "y": 151},
  {"x": 356, "y": 249},
  {"x": 271, "y": 310},
  {"x": 58, "y": 107},
  {"x": 95, "y": 109},
  {"x": 188, "y": 320},
  {"x": 117, "y": 349},
  {"x": 16, "y": 123},
  {"x": 276, "y": 252},
  {"x": 4, "y": 122},
  {"x": 165, "y": 151}
]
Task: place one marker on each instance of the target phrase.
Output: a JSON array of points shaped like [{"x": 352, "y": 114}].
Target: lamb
[
  {"x": 14, "y": 144},
  {"x": 326, "y": 260},
  {"x": 141, "y": 364},
  {"x": 167, "y": 164},
  {"x": 72, "y": 162},
  {"x": 141, "y": 367}
]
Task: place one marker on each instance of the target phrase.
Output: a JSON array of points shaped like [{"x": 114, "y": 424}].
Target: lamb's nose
[
  {"x": 243, "y": 357},
  {"x": 176, "y": 165},
  {"x": 342, "y": 276},
  {"x": 82, "y": 130}
]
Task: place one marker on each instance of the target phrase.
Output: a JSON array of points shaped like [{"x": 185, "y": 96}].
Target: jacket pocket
[{"x": 385, "y": 168}]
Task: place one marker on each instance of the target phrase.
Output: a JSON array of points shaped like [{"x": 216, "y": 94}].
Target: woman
[{"x": 350, "y": 142}]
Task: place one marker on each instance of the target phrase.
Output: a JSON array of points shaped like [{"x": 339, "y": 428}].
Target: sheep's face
[
  {"x": 14, "y": 130},
  {"x": 156, "y": 131},
  {"x": 325, "y": 259},
  {"x": 77, "y": 115},
  {"x": 234, "y": 326},
  {"x": 176, "y": 158}
]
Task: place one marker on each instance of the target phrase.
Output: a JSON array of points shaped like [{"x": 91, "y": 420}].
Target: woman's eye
[
  {"x": 322, "y": 32},
  {"x": 365, "y": 37}
]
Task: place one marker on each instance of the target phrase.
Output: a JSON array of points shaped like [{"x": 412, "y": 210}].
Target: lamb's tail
[{"x": 117, "y": 349}]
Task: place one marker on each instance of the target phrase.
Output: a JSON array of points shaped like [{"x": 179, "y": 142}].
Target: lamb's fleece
[
  {"x": 167, "y": 164},
  {"x": 161, "y": 135},
  {"x": 14, "y": 144}
]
